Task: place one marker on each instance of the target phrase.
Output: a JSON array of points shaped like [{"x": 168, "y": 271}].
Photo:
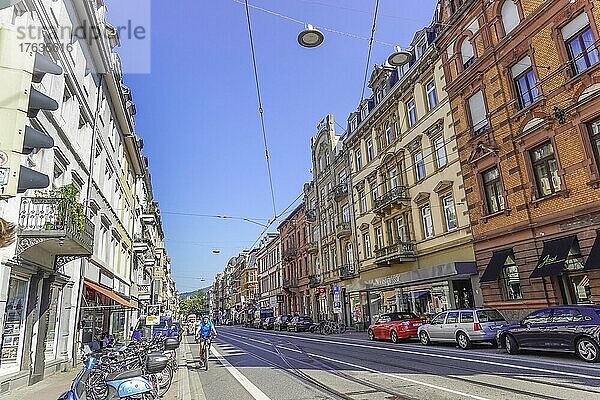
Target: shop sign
[
  {"x": 337, "y": 306},
  {"x": 152, "y": 320},
  {"x": 321, "y": 290}
]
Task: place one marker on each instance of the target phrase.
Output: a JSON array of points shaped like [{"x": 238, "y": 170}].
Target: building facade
[
  {"x": 522, "y": 77},
  {"x": 269, "y": 273}
]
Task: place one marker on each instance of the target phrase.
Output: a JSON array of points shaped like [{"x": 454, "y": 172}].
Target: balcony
[
  {"x": 398, "y": 197},
  {"x": 289, "y": 253},
  {"x": 314, "y": 281},
  {"x": 149, "y": 259},
  {"x": 144, "y": 292},
  {"x": 55, "y": 227},
  {"x": 395, "y": 254},
  {"x": 290, "y": 283},
  {"x": 343, "y": 230},
  {"x": 312, "y": 248},
  {"x": 340, "y": 191},
  {"x": 310, "y": 215},
  {"x": 347, "y": 271},
  {"x": 149, "y": 214},
  {"x": 140, "y": 244}
]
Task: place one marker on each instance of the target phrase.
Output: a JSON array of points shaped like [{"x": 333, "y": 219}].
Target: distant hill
[{"x": 190, "y": 294}]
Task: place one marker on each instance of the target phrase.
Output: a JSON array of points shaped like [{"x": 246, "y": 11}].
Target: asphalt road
[{"x": 266, "y": 365}]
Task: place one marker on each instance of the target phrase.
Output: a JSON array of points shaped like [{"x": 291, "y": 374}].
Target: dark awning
[
  {"x": 593, "y": 261},
  {"x": 554, "y": 255},
  {"x": 494, "y": 268}
]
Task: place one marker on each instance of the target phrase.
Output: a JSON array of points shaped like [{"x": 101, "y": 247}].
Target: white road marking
[
  {"x": 255, "y": 392},
  {"x": 455, "y": 358},
  {"x": 395, "y": 376}
]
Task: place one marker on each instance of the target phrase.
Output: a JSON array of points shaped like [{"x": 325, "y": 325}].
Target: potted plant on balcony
[{"x": 69, "y": 207}]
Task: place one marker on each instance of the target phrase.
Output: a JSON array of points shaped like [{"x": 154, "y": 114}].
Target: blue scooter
[{"x": 119, "y": 385}]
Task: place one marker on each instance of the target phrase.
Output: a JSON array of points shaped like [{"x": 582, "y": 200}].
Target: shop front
[{"x": 425, "y": 292}]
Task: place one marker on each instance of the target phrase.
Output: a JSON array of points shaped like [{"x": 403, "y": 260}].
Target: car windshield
[
  {"x": 402, "y": 316},
  {"x": 489, "y": 316}
]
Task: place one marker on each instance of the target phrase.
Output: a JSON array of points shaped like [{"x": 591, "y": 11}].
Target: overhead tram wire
[
  {"x": 362, "y": 95},
  {"x": 250, "y": 220},
  {"x": 260, "y": 109}
]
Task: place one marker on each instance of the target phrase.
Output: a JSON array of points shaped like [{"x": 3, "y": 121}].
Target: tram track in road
[
  {"x": 312, "y": 381},
  {"x": 530, "y": 393}
]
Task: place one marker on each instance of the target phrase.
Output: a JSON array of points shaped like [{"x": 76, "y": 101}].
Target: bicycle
[{"x": 206, "y": 343}]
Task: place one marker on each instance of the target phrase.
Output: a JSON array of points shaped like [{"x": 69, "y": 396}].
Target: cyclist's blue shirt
[{"x": 205, "y": 330}]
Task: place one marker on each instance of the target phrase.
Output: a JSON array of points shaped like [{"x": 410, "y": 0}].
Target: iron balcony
[
  {"x": 395, "y": 254},
  {"x": 50, "y": 224},
  {"x": 343, "y": 229},
  {"x": 340, "y": 191},
  {"x": 347, "y": 271},
  {"x": 312, "y": 248},
  {"x": 311, "y": 215},
  {"x": 314, "y": 281},
  {"x": 290, "y": 283},
  {"x": 397, "y": 197},
  {"x": 289, "y": 253}
]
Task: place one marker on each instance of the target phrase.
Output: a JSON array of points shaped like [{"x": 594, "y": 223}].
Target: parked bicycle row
[{"x": 142, "y": 369}]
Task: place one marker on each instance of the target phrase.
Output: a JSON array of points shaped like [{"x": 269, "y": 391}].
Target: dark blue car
[
  {"x": 164, "y": 328},
  {"x": 569, "y": 328}
]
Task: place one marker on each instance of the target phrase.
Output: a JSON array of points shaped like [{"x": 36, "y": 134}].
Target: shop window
[
  {"x": 439, "y": 146},
  {"x": 545, "y": 169},
  {"x": 53, "y": 318},
  {"x": 411, "y": 109},
  {"x": 511, "y": 282},
  {"x": 419, "y": 166},
  {"x": 594, "y": 128},
  {"x": 431, "y": 93},
  {"x": 468, "y": 53},
  {"x": 492, "y": 186},
  {"x": 449, "y": 213},
  {"x": 427, "y": 222},
  {"x": 14, "y": 323},
  {"x": 580, "y": 43},
  {"x": 478, "y": 113},
  {"x": 582, "y": 291},
  {"x": 510, "y": 16},
  {"x": 525, "y": 82}
]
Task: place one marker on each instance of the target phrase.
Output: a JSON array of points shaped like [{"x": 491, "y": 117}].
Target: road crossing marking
[{"x": 255, "y": 392}]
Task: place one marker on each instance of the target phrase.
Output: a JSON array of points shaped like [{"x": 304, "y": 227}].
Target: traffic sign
[
  {"x": 153, "y": 310},
  {"x": 152, "y": 320}
]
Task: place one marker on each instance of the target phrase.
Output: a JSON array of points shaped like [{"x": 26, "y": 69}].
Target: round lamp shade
[
  {"x": 310, "y": 37},
  {"x": 399, "y": 57}
]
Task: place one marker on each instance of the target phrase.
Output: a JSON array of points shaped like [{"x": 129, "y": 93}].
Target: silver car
[{"x": 463, "y": 327}]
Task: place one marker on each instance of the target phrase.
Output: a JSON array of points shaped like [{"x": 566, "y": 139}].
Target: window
[
  {"x": 367, "y": 245},
  {"x": 511, "y": 283},
  {"x": 489, "y": 316},
  {"x": 537, "y": 317},
  {"x": 419, "y": 166},
  {"x": 478, "y": 113},
  {"x": 358, "y": 159},
  {"x": 467, "y": 53},
  {"x": 364, "y": 111},
  {"x": 595, "y": 136},
  {"x": 390, "y": 231},
  {"x": 545, "y": 169},
  {"x": 412, "y": 112},
  {"x": 379, "y": 238},
  {"x": 378, "y": 96},
  {"x": 400, "y": 227},
  {"x": 353, "y": 123},
  {"x": 580, "y": 43},
  {"x": 440, "y": 152},
  {"x": 346, "y": 213},
  {"x": 438, "y": 319},
  {"x": 452, "y": 317},
  {"x": 375, "y": 196},
  {"x": 396, "y": 129},
  {"x": 427, "y": 221},
  {"x": 566, "y": 315},
  {"x": 492, "y": 187},
  {"x": 363, "y": 202},
  {"x": 510, "y": 16},
  {"x": 432, "y": 99},
  {"x": 349, "y": 253},
  {"x": 466, "y": 317},
  {"x": 389, "y": 138},
  {"x": 393, "y": 179},
  {"x": 525, "y": 82},
  {"x": 370, "y": 153},
  {"x": 449, "y": 213}
]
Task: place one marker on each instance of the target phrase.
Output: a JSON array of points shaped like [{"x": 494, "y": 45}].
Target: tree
[{"x": 194, "y": 304}]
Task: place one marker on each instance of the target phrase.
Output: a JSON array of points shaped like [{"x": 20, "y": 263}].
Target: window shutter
[
  {"x": 580, "y": 22},
  {"x": 478, "y": 111},
  {"x": 520, "y": 67}
]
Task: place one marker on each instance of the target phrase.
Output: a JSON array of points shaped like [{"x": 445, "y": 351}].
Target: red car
[{"x": 395, "y": 326}]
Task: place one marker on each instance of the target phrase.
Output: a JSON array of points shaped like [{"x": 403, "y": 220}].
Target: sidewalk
[{"x": 48, "y": 389}]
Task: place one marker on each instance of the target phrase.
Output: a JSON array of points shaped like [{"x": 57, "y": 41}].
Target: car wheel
[
  {"x": 394, "y": 337},
  {"x": 463, "y": 341},
  {"x": 371, "y": 335},
  {"x": 512, "y": 347},
  {"x": 588, "y": 350},
  {"x": 424, "y": 338}
]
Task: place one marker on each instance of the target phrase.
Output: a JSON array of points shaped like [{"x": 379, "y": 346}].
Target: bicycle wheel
[
  {"x": 164, "y": 379},
  {"x": 206, "y": 350}
]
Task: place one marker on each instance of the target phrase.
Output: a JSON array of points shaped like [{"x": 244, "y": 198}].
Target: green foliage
[
  {"x": 195, "y": 304},
  {"x": 68, "y": 205}
]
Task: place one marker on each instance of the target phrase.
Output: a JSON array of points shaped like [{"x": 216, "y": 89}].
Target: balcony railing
[
  {"x": 340, "y": 191},
  {"x": 149, "y": 259},
  {"x": 140, "y": 243},
  {"x": 289, "y": 253},
  {"x": 398, "y": 196},
  {"x": 314, "y": 281},
  {"x": 347, "y": 271},
  {"x": 312, "y": 247},
  {"x": 143, "y": 290},
  {"x": 290, "y": 283},
  {"x": 310, "y": 215},
  {"x": 343, "y": 229},
  {"x": 395, "y": 254},
  {"x": 51, "y": 224}
]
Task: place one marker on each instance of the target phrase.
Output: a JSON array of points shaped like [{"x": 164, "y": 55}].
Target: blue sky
[{"x": 197, "y": 110}]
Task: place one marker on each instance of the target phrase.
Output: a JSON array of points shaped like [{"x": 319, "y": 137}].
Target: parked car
[
  {"x": 281, "y": 322},
  {"x": 268, "y": 323},
  {"x": 163, "y": 328},
  {"x": 300, "y": 323},
  {"x": 258, "y": 322},
  {"x": 395, "y": 326},
  {"x": 463, "y": 327},
  {"x": 562, "y": 328}
]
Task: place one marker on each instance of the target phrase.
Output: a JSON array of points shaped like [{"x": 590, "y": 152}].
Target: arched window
[
  {"x": 510, "y": 16},
  {"x": 467, "y": 53}
]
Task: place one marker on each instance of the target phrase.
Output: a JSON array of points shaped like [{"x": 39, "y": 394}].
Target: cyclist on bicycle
[{"x": 205, "y": 329}]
